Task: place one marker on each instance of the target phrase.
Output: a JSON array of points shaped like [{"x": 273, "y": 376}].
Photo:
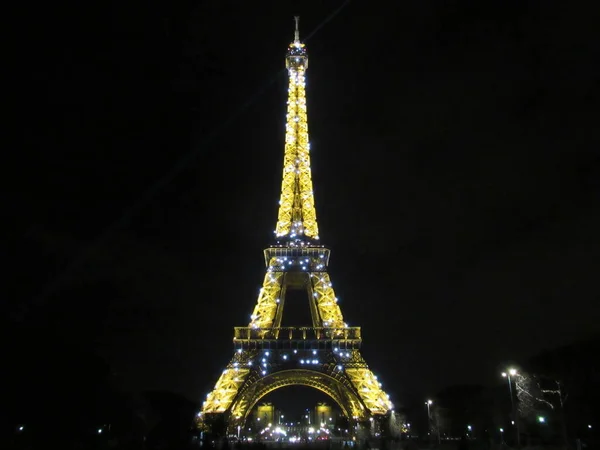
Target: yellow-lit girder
[
  {"x": 323, "y": 296},
  {"x": 329, "y": 310},
  {"x": 220, "y": 398},
  {"x": 369, "y": 389},
  {"x": 268, "y": 300},
  {"x": 338, "y": 389},
  {"x": 297, "y": 215}
]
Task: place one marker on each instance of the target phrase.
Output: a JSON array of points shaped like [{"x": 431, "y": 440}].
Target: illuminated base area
[
  {"x": 331, "y": 366},
  {"x": 320, "y": 422},
  {"x": 325, "y": 356}
]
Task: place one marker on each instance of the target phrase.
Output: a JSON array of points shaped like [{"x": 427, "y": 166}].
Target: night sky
[{"x": 455, "y": 166}]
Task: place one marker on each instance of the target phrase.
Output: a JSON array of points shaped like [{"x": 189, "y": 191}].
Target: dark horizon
[{"x": 454, "y": 162}]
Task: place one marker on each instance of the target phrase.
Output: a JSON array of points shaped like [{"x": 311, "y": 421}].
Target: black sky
[{"x": 455, "y": 162}]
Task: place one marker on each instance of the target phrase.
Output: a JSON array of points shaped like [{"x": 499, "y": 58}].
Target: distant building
[
  {"x": 265, "y": 414},
  {"x": 323, "y": 417}
]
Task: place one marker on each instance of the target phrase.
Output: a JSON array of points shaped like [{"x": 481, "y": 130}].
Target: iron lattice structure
[{"x": 325, "y": 356}]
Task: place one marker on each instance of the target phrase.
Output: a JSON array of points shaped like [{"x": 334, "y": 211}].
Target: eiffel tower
[{"x": 325, "y": 356}]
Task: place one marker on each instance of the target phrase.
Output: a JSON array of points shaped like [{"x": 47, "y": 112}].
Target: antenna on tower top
[{"x": 297, "y": 32}]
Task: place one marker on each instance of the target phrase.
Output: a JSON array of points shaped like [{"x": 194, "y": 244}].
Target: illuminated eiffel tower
[{"x": 325, "y": 356}]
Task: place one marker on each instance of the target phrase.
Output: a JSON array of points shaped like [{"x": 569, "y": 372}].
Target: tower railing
[
  {"x": 279, "y": 255},
  {"x": 297, "y": 337}
]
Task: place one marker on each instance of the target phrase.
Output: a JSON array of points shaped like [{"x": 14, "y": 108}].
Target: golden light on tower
[
  {"x": 325, "y": 356},
  {"x": 297, "y": 215}
]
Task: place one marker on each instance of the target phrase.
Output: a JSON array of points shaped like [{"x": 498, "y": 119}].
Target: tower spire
[
  {"x": 297, "y": 218},
  {"x": 297, "y": 32}
]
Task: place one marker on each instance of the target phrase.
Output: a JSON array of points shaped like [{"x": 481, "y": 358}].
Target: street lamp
[
  {"x": 502, "y": 434},
  {"x": 511, "y": 373},
  {"x": 541, "y": 419},
  {"x": 429, "y": 403}
]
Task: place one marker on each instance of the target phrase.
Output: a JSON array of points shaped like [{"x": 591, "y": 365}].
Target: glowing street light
[
  {"x": 541, "y": 419},
  {"x": 429, "y": 403},
  {"x": 511, "y": 372}
]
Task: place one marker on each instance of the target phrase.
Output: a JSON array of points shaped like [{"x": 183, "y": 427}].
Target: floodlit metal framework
[{"x": 326, "y": 355}]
